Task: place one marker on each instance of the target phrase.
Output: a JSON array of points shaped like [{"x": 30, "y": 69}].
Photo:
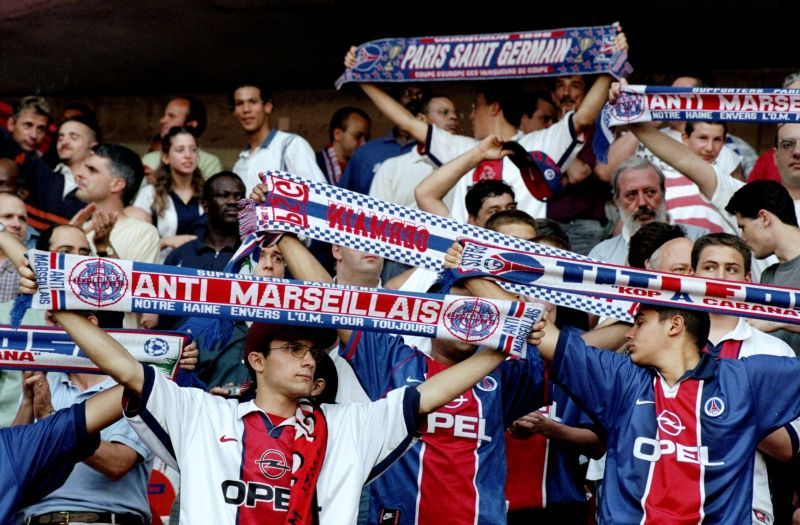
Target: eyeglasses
[
  {"x": 299, "y": 351},
  {"x": 787, "y": 145}
]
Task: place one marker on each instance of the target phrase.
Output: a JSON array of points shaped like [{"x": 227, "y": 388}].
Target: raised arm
[
  {"x": 431, "y": 191},
  {"x": 678, "y": 156},
  {"x": 103, "y": 350},
  {"x": 104, "y": 408},
  {"x": 391, "y": 108},
  {"x": 596, "y": 98}
]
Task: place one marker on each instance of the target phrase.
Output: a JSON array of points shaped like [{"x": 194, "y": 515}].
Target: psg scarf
[
  {"x": 555, "y": 52},
  {"x": 44, "y": 348},
  {"x": 73, "y": 282},
  {"x": 649, "y": 103},
  {"x": 630, "y": 284},
  {"x": 412, "y": 237}
]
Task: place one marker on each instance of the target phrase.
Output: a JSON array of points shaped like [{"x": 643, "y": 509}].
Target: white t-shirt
[
  {"x": 397, "y": 178},
  {"x": 201, "y": 435},
  {"x": 287, "y": 152},
  {"x": 559, "y": 142}
]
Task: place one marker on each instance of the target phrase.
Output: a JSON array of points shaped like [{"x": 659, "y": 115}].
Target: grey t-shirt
[{"x": 785, "y": 274}]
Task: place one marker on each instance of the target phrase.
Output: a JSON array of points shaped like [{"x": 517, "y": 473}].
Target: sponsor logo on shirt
[
  {"x": 273, "y": 464},
  {"x": 251, "y": 493},
  {"x": 470, "y": 427}
]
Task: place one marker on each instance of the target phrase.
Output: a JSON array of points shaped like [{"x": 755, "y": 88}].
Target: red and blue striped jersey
[
  {"x": 456, "y": 473},
  {"x": 680, "y": 454}
]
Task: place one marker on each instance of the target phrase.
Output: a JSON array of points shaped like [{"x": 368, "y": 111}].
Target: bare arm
[
  {"x": 678, "y": 156},
  {"x": 393, "y": 110},
  {"x": 103, "y": 350},
  {"x": 592, "y": 103},
  {"x": 113, "y": 460},
  {"x": 778, "y": 445},
  {"x": 449, "y": 384},
  {"x": 431, "y": 191},
  {"x": 623, "y": 148},
  {"x": 104, "y": 408},
  {"x": 583, "y": 439},
  {"x": 12, "y": 248}
]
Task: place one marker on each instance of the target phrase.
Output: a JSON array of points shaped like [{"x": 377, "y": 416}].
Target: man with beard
[{"x": 638, "y": 192}]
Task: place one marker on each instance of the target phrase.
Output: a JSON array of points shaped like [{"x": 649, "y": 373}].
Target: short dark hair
[
  {"x": 689, "y": 129},
  {"x": 340, "y": 116},
  {"x": 763, "y": 195},
  {"x": 511, "y": 217},
  {"x": 266, "y": 96},
  {"x": 552, "y": 232},
  {"x": 531, "y": 101},
  {"x": 721, "y": 239},
  {"x": 88, "y": 121},
  {"x": 124, "y": 164},
  {"x": 697, "y": 322},
  {"x": 508, "y": 95},
  {"x": 43, "y": 242},
  {"x": 483, "y": 190},
  {"x": 209, "y": 183},
  {"x": 197, "y": 112},
  {"x": 649, "y": 238}
]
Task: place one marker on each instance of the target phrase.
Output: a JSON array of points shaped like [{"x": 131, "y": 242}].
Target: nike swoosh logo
[
  {"x": 644, "y": 402},
  {"x": 225, "y": 439},
  {"x": 410, "y": 379}
]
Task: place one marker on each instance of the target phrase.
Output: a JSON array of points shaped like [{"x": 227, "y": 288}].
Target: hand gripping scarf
[
  {"x": 43, "y": 348},
  {"x": 73, "y": 282},
  {"x": 555, "y": 52},
  {"x": 630, "y": 284},
  {"x": 649, "y": 103},
  {"x": 412, "y": 237}
]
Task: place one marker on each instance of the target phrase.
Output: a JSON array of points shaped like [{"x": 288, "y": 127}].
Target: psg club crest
[
  {"x": 714, "y": 407},
  {"x": 471, "y": 320},
  {"x": 629, "y": 107},
  {"x": 367, "y": 57},
  {"x": 156, "y": 347},
  {"x": 98, "y": 282}
]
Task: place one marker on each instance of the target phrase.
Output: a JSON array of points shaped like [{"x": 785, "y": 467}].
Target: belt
[{"x": 63, "y": 518}]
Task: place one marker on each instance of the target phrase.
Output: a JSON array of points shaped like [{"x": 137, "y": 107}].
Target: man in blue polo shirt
[{"x": 36, "y": 459}]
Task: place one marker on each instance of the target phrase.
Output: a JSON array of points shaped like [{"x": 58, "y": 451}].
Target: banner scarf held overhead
[
  {"x": 660, "y": 103},
  {"x": 43, "y": 348},
  {"x": 742, "y": 299},
  {"x": 73, "y": 282},
  {"x": 555, "y": 52},
  {"x": 338, "y": 216}
]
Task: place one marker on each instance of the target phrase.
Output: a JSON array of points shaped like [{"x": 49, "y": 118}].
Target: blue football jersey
[
  {"x": 455, "y": 474},
  {"x": 684, "y": 453}
]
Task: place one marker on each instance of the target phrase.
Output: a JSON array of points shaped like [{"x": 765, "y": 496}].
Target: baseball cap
[
  {"x": 540, "y": 174},
  {"x": 261, "y": 334}
]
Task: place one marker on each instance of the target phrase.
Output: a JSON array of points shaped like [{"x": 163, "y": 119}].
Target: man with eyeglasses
[{"x": 277, "y": 458}]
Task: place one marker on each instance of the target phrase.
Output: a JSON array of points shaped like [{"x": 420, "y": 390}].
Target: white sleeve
[
  {"x": 560, "y": 142},
  {"x": 726, "y": 187},
  {"x": 144, "y": 198},
  {"x": 300, "y": 160},
  {"x": 383, "y": 182},
  {"x": 165, "y": 415},
  {"x": 378, "y": 432},
  {"x": 442, "y": 147},
  {"x": 459, "y": 209}
]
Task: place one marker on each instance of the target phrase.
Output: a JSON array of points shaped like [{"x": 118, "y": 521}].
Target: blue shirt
[
  {"x": 86, "y": 489},
  {"x": 198, "y": 254},
  {"x": 367, "y": 159},
  {"x": 457, "y": 470},
  {"x": 37, "y": 458},
  {"x": 733, "y": 405}
]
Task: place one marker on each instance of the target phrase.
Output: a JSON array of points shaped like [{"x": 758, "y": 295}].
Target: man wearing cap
[{"x": 278, "y": 458}]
